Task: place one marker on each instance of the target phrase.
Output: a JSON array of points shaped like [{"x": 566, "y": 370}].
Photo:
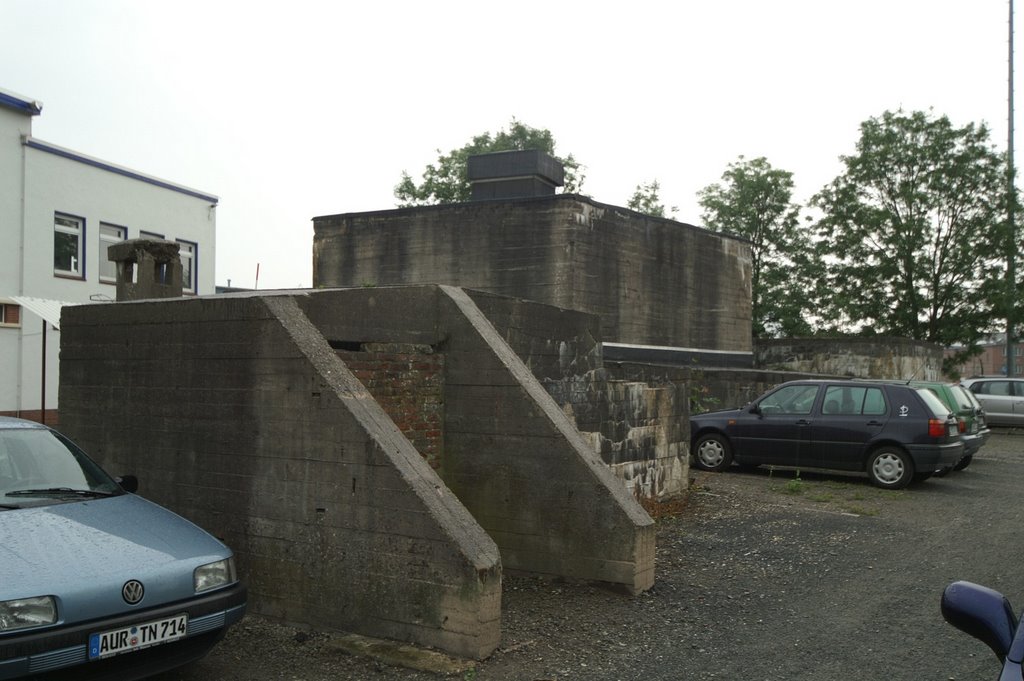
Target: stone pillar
[{"x": 147, "y": 268}]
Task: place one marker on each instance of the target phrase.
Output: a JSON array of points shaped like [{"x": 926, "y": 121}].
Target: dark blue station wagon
[{"x": 895, "y": 433}]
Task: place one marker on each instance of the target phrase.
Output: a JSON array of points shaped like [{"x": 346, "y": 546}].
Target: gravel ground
[{"x": 764, "y": 575}]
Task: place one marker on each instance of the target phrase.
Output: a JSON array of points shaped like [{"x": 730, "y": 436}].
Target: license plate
[{"x": 137, "y": 636}]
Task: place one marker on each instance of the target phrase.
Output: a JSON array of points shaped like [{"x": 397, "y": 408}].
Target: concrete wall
[
  {"x": 873, "y": 357},
  {"x": 649, "y": 280},
  {"x": 510, "y": 453},
  {"x": 240, "y": 413},
  {"x": 639, "y": 430}
]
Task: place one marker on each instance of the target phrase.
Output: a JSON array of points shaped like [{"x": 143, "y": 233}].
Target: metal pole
[
  {"x": 42, "y": 400},
  {"x": 1011, "y": 201}
]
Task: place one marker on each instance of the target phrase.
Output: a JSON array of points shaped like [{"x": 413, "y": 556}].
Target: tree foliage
[
  {"x": 446, "y": 181},
  {"x": 645, "y": 199},
  {"x": 912, "y": 231},
  {"x": 754, "y": 200}
]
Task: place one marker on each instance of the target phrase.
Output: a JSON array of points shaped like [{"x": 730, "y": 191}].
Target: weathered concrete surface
[
  {"x": 147, "y": 268},
  {"x": 639, "y": 430},
  {"x": 525, "y": 472},
  {"x": 238, "y": 414},
  {"x": 511, "y": 454},
  {"x": 872, "y": 357},
  {"x": 649, "y": 280}
]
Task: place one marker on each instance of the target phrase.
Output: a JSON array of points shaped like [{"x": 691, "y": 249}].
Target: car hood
[{"x": 83, "y": 552}]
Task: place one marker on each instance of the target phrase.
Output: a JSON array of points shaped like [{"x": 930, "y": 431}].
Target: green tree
[
  {"x": 754, "y": 200},
  {"x": 446, "y": 181},
  {"x": 911, "y": 232},
  {"x": 646, "y": 200}
]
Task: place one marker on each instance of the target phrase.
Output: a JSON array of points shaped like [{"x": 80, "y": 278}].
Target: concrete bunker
[{"x": 246, "y": 415}]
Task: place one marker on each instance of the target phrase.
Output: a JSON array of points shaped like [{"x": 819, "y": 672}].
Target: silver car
[
  {"x": 95, "y": 577},
  {"x": 1001, "y": 397}
]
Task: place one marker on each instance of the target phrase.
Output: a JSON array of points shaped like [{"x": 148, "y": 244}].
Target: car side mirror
[
  {"x": 982, "y": 613},
  {"x": 129, "y": 483},
  {"x": 754, "y": 409}
]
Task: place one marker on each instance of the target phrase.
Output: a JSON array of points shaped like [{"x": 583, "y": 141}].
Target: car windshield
[
  {"x": 935, "y": 405},
  {"x": 40, "y": 462}
]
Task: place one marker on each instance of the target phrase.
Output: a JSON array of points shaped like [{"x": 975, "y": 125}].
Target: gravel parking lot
[{"x": 764, "y": 575}]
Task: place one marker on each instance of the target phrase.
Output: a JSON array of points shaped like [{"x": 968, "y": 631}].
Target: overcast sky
[{"x": 290, "y": 110}]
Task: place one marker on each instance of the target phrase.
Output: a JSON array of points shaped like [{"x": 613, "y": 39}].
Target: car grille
[{"x": 57, "y": 658}]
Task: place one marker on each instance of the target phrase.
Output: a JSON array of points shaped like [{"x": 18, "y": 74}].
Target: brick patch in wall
[{"x": 408, "y": 382}]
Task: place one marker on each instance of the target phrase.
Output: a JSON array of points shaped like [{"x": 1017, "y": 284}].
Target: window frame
[
  {"x": 106, "y": 240},
  {"x": 190, "y": 274},
  {"x": 4, "y": 314},
  {"x": 79, "y": 231}
]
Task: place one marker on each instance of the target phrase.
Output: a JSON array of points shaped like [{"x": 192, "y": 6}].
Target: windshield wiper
[{"x": 58, "y": 491}]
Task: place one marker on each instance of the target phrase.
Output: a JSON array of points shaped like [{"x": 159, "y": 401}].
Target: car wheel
[
  {"x": 712, "y": 453},
  {"x": 964, "y": 462},
  {"x": 890, "y": 468}
]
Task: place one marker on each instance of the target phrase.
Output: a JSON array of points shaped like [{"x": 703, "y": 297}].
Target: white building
[{"x": 59, "y": 210}]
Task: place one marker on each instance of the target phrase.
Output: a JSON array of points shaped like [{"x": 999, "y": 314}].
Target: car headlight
[
  {"x": 212, "y": 575},
  {"x": 22, "y": 613}
]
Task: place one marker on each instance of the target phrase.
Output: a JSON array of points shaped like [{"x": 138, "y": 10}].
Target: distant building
[
  {"x": 59, "y": 211},
  {"x": 992, "y": 358}
]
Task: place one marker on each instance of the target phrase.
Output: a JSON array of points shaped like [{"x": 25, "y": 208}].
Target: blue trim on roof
[
  {"x": 19, "y": 104},
  {"x": 64, "y": 153}
]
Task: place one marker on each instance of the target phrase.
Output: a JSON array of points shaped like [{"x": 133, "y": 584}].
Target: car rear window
[
  {"x": 963, "y": 397},
  {"x": 934, "y": 404},
  {"x": 971, "y": 398}
]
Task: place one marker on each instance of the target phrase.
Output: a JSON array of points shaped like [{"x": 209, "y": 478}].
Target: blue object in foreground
[
  {"x": 987, "y": 616},
  {"x": 95, "y": 580}
]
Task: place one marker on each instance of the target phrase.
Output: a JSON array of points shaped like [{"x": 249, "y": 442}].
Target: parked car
[
  {"x": 987, "y": 615},
  {"x": 961, "y": 402},
  {"x": 895, "y": 433},
  {"x": 93, "y": 576},
  {"x": 1001, "y": 397}
]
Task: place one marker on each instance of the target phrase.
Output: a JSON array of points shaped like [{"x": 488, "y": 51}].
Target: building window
[
  {"x": 109, "y": 235},
  {"x": 150, "y": 235},
  {"x": 10, "y": 314},
  {"x": 68, "y": 246},
  {"x": 187, "y": 250}
]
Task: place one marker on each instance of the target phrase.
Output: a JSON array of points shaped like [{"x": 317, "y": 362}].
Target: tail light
[
  {"x": 936, "y": 428},
  {"x": 962, "y": 425}
]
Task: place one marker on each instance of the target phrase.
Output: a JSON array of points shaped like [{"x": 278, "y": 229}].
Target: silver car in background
[{"x": 1001, "y": 397}]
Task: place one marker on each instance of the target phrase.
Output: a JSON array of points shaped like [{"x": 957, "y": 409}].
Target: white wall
[{"x": 13, "y": 125}]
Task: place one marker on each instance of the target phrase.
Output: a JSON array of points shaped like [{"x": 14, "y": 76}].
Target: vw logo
[{"x": 132, "y": 591}]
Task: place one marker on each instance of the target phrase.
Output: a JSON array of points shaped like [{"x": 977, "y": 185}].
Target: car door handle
[
  {"x": 803, "y": 422},
  {"x": 874, "y": 423}
]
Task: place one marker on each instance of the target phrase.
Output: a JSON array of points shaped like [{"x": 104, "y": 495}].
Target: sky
[{"x": 292, "y": 110}]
